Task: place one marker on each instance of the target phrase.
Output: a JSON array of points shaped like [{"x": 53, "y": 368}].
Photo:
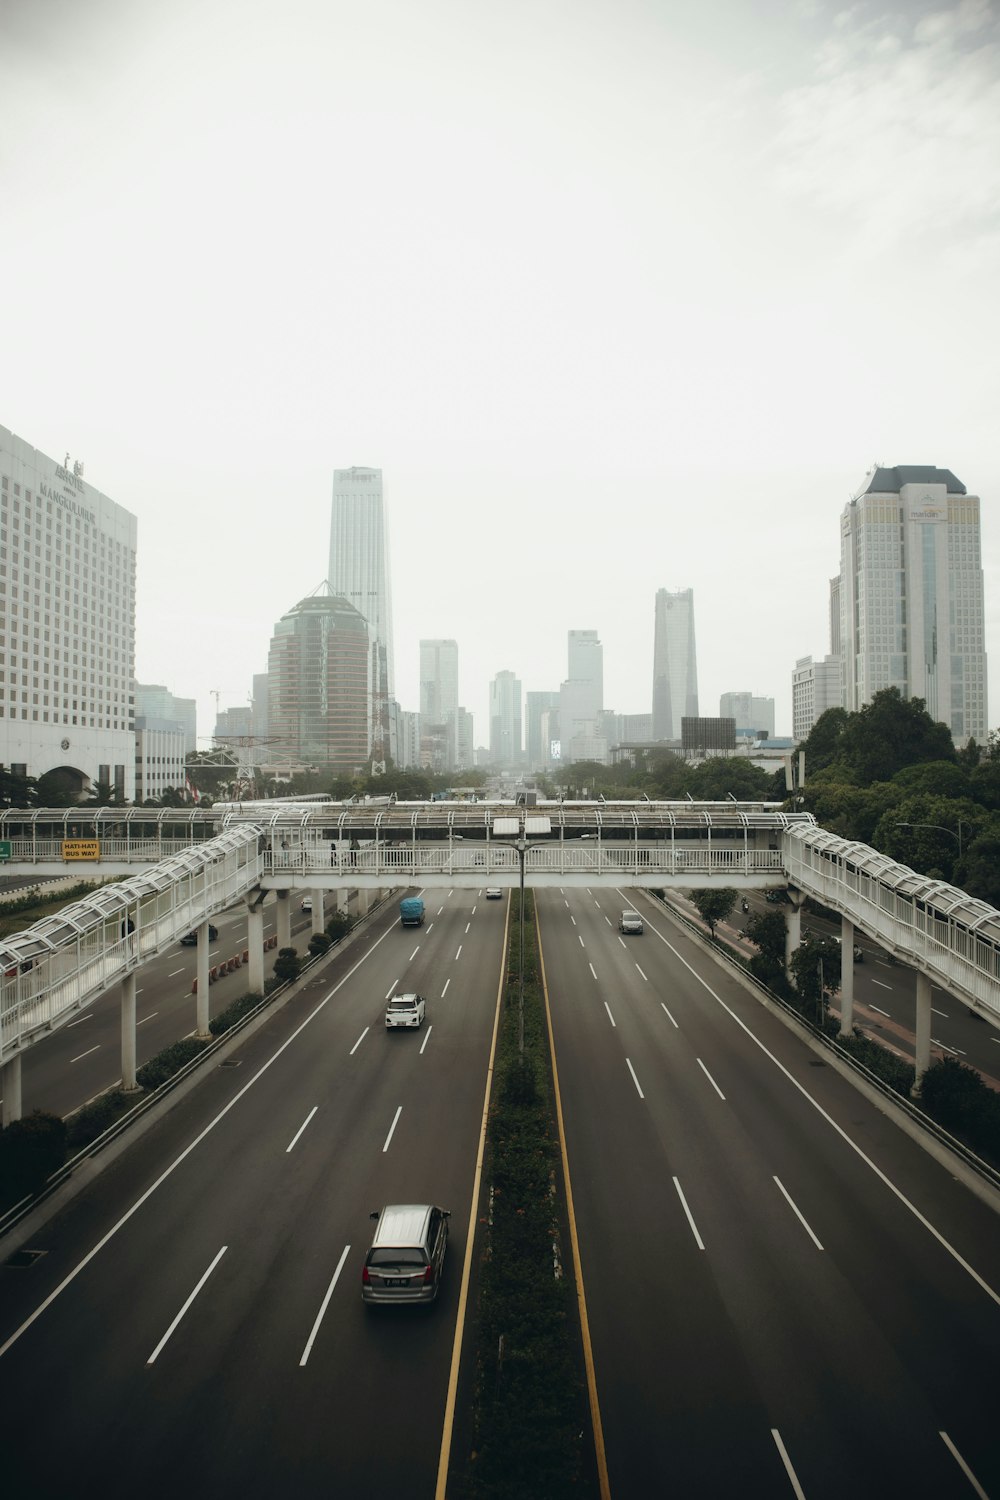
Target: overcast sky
[{"x": 619, "y": 294}]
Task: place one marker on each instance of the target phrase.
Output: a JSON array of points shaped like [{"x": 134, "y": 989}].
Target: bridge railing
[{"x": 580, "y": 856}]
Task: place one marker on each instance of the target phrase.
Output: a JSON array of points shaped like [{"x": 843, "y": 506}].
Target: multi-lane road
[{"x": 786, "y": 1295}]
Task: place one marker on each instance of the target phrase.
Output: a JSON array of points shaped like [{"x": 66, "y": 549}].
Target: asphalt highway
[
  {"x": 194, "y": 1321},
  {"x": 786, "y": 1295}
]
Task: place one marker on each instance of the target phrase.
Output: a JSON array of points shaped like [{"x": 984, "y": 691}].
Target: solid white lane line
[
  {"x": 942, "y": 1013},
  {"x": 634, "y": 1079},
  {"x": 592, "y": 970},
  {"x": 467, "y": 926},
  {"x": 642, "y": 976},
  {"x": 187, "y": 1304},
  {"x": 955, "y": 1051},
  {"x": 881, "y": 985},
  {"x": 79, "y": 1021},
  {"x": 414, "y": 953},
  {"x": 795, "y": 1210},
  {"x": 323, "y": 1306},
  {"x": 690, "y": 1217},
  {"x": 152, "y": 1013},
  {"x": 395, "y": 1122},
  {"x": 797, "y": 1490},
  {"x": 710, "y": 1078},
  {"x": 183, "y": 1155},
  {"x": 174, "y": 973},
  {"x": 445, "y": 990},
  {"x": 391, "y": 991},
  {"x": 977, "y": 1487},
  {"x": 302, "y": 1127},
  {"x": 360, "y": 1039},
  {"x": 459, "y": 951},
  {"x": 887, "y": 1182},
  {"x": 669, "y": 1016},
  {"x": 611, "y": 1018},
  {"x": 426, "y": 1039},
  {"x": 880, "y": 1011},
  {"x": 85, "y": 1054}
]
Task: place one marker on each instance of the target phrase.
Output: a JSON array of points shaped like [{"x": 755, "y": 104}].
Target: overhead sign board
[{"x": 81, "y": 849}]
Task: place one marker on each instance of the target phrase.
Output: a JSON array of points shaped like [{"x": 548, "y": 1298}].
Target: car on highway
[
  {"x": 630, "y": 921},
  {"x": 306, "y": 904},
  {"x": 406, "y": 1257},
  {"x": 494, "y": 893},
  {"x": 405, "y": 1011},
  {"x": 190, "y": 939}
]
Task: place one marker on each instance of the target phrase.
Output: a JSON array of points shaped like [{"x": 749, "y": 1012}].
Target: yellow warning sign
[{"x": 81, "y": 849}]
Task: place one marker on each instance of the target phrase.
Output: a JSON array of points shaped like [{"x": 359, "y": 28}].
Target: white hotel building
[{"x": 67, "y": 624}]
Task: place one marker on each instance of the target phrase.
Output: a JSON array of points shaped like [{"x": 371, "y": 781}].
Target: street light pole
[
  {"x": 940, "y": 829},
  {"x": 521, "y": 847}
]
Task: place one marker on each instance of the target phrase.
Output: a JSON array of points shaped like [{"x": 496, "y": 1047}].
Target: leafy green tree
[
  {"x": 980, "y": 867},
  {"x": 823, "y": 743},
  {"x": 815, "y": 967},
  {"x": 766, "y": 930},
  {"x": 984, "y": 784},
  {"x": 936, "y": 778},
  {"x": 891, "y": 732},
  {"x": 714, "y": 779},
  {"x": 714, "y": 906},
  {"x": 923, "y": 832}
]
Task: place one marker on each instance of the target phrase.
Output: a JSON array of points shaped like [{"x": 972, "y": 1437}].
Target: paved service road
[
  {"x": 215, "y": 1342},
  {"x": 787, "y": 1296}
]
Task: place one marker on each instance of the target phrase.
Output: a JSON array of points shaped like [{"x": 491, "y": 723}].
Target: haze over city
[{"x": 618, "y": 298}]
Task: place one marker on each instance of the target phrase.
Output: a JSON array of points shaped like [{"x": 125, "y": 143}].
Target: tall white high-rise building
[
  {"x": 438, "y": 680},
  {"x": 816, "y": 686},
  {"x": 67, "y": 625},
  {"x": 359, "y": 572},
  {"x": 505, "y": 720},
  {"x": 675, "y": 667},
  {"x": 581, "y": 698},
  {"x": 911, "y": 596}
]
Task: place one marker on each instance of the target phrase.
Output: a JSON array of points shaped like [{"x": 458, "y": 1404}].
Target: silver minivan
[{"x": 407, "y": 1254}]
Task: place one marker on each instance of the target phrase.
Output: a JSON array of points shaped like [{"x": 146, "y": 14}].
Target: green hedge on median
[{"x": 531, "y": 1425}]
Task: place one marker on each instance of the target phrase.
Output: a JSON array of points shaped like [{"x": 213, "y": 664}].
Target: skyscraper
[
  {"x": 318, "y": 685},
  {"x": 911, "y": 595},
  {"x": 675, "y": 668},
  {"x": 67, "y": 625},
  {"x": 359, "y": 572},
  {"x": 505, "y": 720},
  {"x": 438, "y": 680},
  {"x": 581, "y": 698}
]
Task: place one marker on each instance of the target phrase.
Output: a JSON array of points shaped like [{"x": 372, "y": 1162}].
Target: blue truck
[{"x": 411, "y": 911}]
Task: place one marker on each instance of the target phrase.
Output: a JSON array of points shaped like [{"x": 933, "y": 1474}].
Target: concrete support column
[
  {"x": 255, "y": 946},
  {"x": 284, "y": 919},
  {"x": 364, "y": 898},
  {"x": 202, "y": 967},
  {"x": 10, "y": 1075},
  {"x": 846, "y": 976},
  {"x": 793, "y": 936},
  {"x": 318, "y": 912},
  {"x": 923, "y": 1032},
  {"x": 342, "y": 900},
  {"x": 128, "y": 1032}
]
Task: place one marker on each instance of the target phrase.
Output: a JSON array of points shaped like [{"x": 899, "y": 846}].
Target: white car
[
  {"x": 307, "y": 903},
  {"x": 405, "y": 1010},
  {"x": 494, "y": 893}
]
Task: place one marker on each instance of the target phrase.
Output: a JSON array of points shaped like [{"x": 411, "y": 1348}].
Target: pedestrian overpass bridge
[{"x": 172, "y": 869}]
